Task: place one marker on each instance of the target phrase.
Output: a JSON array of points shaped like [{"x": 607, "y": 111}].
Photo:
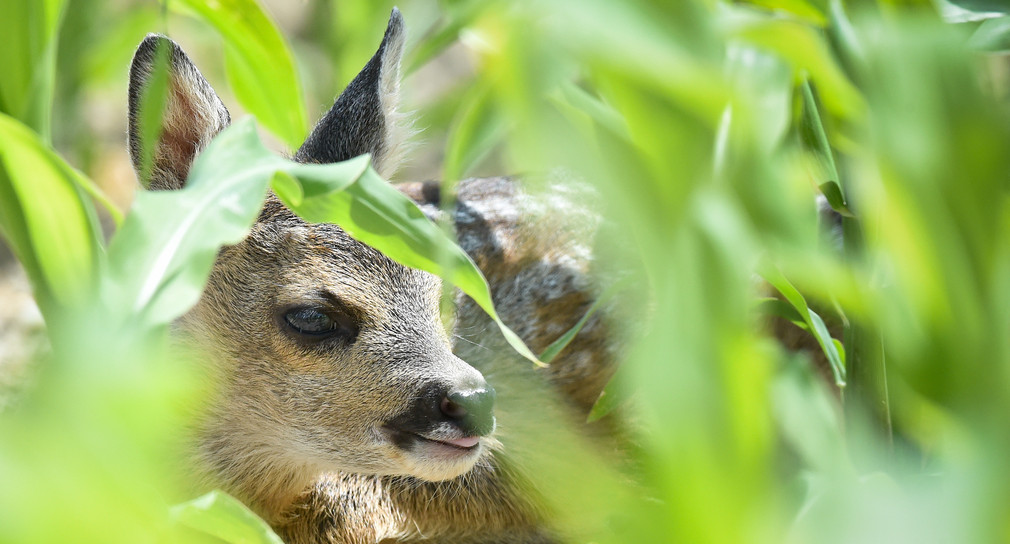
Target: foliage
[{"x": 709, "y": 127}]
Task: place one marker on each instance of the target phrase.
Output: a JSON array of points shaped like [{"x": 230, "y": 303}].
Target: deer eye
[
  {"x": 309, "y": 321},
  {"x": 317, "y": 323}
]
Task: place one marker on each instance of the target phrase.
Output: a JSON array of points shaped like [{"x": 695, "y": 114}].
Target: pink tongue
[{"x": 467, "y": 442}]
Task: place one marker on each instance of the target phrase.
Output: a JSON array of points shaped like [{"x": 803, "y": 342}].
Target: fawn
[{"x": 344, "y": 412}]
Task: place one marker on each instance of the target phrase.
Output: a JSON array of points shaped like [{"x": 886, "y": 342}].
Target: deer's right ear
[{"x": 163, "y": 147}]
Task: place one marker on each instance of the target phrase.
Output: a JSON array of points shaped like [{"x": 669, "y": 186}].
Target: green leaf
[
  {"x": 375, "y": 213},
  {"x": 798, "y": 8},
  {"x": 605, "y": 404},
  {"x": 476, "y": 130},
  {"x": 221, "y": 515},
  {"x": 833, "y": 193},
  {"x": 445, "y": 32},
  {"x": 982, "y": 6},
  {"x": 813, "y": 321},
  {"x": 571, "y": 97},
  {"x": 552, "y": 351},
  {"x": 992, "y": 35},
  {"x": 259, "y": 65},
  {"x": 807, "y": 51},
  {"x": 780, "y": 308},
  {"x": 45, "y": 218},
  {"x": 161, "y": 257},
  {"x": 29, "y": 34},
  {"x": 812, "y": 132},
  {"x": 808, "y": 417}
]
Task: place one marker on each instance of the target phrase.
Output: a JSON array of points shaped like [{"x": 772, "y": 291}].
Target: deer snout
[
  {"x": 454, "y": 413},
  {"x": 472, "y": 410}
]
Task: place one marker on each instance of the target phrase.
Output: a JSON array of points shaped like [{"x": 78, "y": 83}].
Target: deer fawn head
[{"x": 330, "y": 355}]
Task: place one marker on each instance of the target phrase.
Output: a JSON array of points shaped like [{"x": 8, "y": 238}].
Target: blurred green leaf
[
  {"x": 29, "y": 32},
  {"x": 799, "y": 8},
  {"x": 808, "y": 52},
  {"x": 552, "y": 351},
  {"x": 476, "y": 130},
  {"x": 45, "y": 217},
  {"x": 572, "y": 97},
  {"x": 780, "y": 308},
  {"x": 809, "y": 417},
  {"x": 445, "y": 32},
  {"x": 814, "y": 137},
  {"x": 608, "y": 401},
  {"x": 259, "y": 65},
  {"x": 992, "y": 35},
  {"x": 767, "y": 83},
  {"x": 833, "y": 193},
  {"x": 221, "y": 515},
  {"x": 982, "y": 6}
]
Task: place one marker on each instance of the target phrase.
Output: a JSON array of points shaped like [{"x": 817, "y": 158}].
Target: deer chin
[{"x": 435, "y": 456}]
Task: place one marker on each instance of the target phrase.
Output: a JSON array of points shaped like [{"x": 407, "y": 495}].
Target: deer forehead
[{"x": 300, "y": 260}]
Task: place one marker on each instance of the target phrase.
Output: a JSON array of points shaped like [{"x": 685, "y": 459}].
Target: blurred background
[{"x": 711, "y": 128}]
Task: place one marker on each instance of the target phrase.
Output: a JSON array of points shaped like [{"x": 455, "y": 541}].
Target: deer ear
[
  {"x": 192, "y": 114},
  {"x": 364, "y": 118}
]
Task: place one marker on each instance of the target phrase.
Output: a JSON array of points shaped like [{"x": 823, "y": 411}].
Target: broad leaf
[
  {"x": 992, "y": 35},
  {"x": 806, "y": 51},
  {"x": 221, "y": 515},
  {"x": 44, "y": 216},
  {"x": 162, "y": 255},
  {"x": 259, "y": 65},
  {"x": 982, "y": 6},
  {"x": 29, "y": 34}
]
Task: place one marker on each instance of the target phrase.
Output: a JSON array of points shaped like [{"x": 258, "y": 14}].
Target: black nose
[{"x": 472, "y": 410}]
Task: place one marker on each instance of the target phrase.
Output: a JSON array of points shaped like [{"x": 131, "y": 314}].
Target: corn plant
[{"x": 711, "y": 128}]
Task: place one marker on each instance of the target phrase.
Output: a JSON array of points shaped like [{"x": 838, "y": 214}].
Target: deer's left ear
[{"x": 364, "y": 118}]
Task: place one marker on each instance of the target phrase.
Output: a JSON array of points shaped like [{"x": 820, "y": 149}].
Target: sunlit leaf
[
  {"x": 477, "y": 128},
  {"x": 45, "y": 216},
  {"x": 992, "y": 35},
  {"x": 259, "y": 65},
  {"x": 982, "y": 6},
  {"x": 29, "y": 34},
  {"x": 807, "y": 51},
  {"x": 221, "y": 515}
]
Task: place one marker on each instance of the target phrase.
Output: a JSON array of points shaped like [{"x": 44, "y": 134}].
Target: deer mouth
[{"x": 437, "y": 444}]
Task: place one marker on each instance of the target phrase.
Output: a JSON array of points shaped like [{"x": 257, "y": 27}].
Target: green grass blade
[
  {"x": 552, "y": 351},
  {"x": 813, "y": 321}
]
